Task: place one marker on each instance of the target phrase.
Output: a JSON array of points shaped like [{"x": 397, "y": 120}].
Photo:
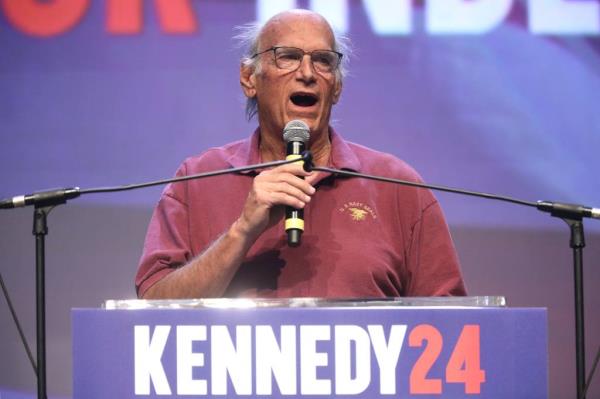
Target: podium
[{"x": 470, "y": 347}]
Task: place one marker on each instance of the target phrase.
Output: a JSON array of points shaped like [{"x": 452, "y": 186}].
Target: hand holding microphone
[{"x": 278, "y": 190}]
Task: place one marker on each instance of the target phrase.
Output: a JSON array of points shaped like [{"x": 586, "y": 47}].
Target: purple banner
[{"x": 303, "y": 352}]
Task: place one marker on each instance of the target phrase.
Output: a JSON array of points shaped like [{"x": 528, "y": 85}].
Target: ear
[
  {"x": 248, "y": 80},
  {"x": 337, "y": 91}
]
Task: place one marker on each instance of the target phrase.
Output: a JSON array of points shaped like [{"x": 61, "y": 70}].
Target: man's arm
[
  {"x": 209, "y": 274},
  {"x": 434, "y": 264}
]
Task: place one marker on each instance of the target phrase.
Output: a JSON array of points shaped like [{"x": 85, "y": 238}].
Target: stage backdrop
[{"x": 493, "y": 95}]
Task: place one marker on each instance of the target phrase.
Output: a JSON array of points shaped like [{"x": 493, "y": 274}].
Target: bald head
[{"x": 292, "y": 19}]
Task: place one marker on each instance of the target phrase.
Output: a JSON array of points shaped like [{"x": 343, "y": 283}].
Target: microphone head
[{"x": 296, "y": 130}]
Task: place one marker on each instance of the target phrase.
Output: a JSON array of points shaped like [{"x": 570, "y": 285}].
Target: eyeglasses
[{"x": 290, "y": 58}]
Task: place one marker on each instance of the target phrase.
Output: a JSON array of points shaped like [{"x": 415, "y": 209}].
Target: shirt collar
[
  {"x": 342, "y": 155},
  {"x": 246, "y": 153}
]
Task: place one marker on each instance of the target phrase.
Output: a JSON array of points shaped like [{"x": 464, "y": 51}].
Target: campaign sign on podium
[{"x": 472, "y": 347}]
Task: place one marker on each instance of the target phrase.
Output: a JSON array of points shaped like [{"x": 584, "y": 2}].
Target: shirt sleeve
[
  {"x": 434, "y": 269},
  {"x": 167, "y": 244}
]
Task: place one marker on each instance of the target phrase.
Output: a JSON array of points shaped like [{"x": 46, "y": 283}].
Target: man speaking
[{"x": 224, "y": 236}]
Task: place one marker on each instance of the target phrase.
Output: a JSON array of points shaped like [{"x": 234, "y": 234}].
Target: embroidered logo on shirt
[
  {"x": 358, "y": 214},
  {"x": 358, "y": 211}
]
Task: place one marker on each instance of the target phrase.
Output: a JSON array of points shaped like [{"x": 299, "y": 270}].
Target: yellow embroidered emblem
[
  {"x": 358, "y": 214},
  {"x": 358, "y": 211}
]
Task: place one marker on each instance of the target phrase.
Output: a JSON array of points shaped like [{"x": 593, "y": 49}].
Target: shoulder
[
  {"x": 378, "y": 163},
  {"x": 213, "y": 158},
  {"x": 383, "y": 164}
]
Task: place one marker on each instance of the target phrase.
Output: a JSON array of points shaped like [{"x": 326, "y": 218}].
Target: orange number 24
[{"x": 464, "y": 365}]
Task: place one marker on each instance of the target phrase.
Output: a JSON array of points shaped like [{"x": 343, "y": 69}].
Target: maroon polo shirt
[{"x": 362, "y": 239}]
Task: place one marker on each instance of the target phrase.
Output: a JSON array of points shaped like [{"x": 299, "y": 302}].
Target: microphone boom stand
[
  {"x": 40, "y": 230},
  {"x": 577, "y": 243},
  {"x": 572, "y": 214}
]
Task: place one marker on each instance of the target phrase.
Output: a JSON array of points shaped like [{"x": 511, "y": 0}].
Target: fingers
[
  {"x": 295, "y": 169},
  {"x": 286, "y": 196},
  {"x": 280, "y": 187},
  {"x": 271, "y": 190}
]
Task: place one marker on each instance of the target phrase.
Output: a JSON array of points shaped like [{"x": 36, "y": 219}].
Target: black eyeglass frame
[{"x": 310, "y": 53}]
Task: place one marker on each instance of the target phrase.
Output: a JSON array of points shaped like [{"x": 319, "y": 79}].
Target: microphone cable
[
  {"x": 589, "y": 379},
  {"x": 18, "y": 324}
]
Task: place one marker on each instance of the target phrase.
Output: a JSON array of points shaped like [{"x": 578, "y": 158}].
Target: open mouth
[{"x": 304, "y": 99}]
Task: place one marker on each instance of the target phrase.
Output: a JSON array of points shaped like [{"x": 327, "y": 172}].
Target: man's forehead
[{"x": 295, "y": 22}]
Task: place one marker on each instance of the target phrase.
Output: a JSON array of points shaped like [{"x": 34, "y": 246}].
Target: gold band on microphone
[{"x": 294, "y": 224}]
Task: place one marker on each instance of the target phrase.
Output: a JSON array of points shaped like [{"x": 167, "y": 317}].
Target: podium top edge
[{"x": 247, "y": 303}]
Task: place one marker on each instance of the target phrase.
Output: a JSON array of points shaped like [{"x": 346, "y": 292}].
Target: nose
[{"x": 306, "y": 70}]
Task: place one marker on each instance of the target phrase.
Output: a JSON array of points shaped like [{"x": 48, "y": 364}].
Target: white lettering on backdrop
[{"x": 447, "y": 17}]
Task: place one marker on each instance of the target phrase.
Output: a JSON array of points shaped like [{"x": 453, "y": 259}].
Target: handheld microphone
[{"x": 295, "y": 134}]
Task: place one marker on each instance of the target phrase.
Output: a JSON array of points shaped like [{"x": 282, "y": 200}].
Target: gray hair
[{"x": 247, "y": 38}]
